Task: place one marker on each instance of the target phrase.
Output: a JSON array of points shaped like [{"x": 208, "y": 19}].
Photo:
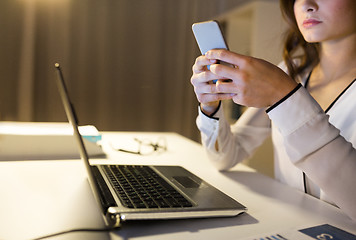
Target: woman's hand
[
  {"x": 208, "y": 93},
  {"x": 255, "y": 82}
]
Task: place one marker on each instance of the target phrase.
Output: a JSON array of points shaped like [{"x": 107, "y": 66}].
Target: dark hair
[{"x": 294, "y": 40}]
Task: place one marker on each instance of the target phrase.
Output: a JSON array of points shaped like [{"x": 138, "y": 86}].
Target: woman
[{"x": 311, "y": 111}]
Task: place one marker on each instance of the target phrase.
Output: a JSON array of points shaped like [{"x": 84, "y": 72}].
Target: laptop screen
[{"x": 74, "y": 123}]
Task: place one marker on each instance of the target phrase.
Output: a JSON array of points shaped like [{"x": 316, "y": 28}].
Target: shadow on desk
[
  {"x": 274, "y": 194},
  {"x": 264, "y": 186},
  {"x": 153, "y": 227}
]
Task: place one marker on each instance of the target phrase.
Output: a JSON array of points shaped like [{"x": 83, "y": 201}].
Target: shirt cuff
[
  {"x": 295, "y": 111},
  {"x": 213, "y": 114},
  {"x": 284, "y": 98}
]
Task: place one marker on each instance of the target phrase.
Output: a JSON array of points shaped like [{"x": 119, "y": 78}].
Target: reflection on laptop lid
[{"x": 131, "y": 192}]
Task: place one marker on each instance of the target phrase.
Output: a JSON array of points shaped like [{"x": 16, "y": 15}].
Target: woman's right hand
[{"x": 205, "y": 89}]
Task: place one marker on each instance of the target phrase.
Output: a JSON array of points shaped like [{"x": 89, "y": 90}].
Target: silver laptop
[{"x": 133, "y": 192}]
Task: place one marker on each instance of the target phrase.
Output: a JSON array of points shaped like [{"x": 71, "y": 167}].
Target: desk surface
[{"x": 45, "y": 197}]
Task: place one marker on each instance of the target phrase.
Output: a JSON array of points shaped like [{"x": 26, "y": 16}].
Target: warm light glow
[{"x": 44, "y": 2}]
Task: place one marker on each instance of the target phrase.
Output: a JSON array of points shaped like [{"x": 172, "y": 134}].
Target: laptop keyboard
[{"x": 142, "y": 187}]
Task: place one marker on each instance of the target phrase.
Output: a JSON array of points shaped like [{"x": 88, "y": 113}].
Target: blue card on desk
[{"x": 326, "y": 232}]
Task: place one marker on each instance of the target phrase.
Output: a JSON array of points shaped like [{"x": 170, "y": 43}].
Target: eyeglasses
[{"x": 146, "y": 146}]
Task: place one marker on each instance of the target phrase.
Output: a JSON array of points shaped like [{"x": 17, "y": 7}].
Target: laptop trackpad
[{"x": 186, "y": 182}]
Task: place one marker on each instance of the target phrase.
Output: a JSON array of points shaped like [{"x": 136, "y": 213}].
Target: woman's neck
[{"x": 338, "y": 58}]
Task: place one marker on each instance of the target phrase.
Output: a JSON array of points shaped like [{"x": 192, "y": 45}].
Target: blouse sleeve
[
  {"x": 317, "y": 148},
  {"x": 228, "y": 145}
]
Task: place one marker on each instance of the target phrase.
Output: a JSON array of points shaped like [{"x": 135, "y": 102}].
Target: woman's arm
[
  {"x": 226, "y": 146},
  {"x": 316, "y": 147}
]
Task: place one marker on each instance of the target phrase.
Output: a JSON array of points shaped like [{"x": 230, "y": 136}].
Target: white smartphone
[{"x": 209, "y": 36}]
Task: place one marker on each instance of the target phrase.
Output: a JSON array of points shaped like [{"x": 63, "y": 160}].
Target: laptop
[{"x": 141, "y": 192}]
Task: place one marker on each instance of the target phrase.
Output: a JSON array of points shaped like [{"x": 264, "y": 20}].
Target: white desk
[{"x": 44, "y": 197}]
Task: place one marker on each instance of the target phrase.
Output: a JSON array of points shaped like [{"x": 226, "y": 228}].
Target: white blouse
[{"x": 305, "y": 139}]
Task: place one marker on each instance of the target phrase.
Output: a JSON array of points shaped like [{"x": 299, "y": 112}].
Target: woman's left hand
[{"x": 256, "y": 82}]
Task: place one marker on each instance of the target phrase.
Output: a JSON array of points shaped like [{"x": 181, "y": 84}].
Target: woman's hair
[{"x": 294, "y": 41}]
